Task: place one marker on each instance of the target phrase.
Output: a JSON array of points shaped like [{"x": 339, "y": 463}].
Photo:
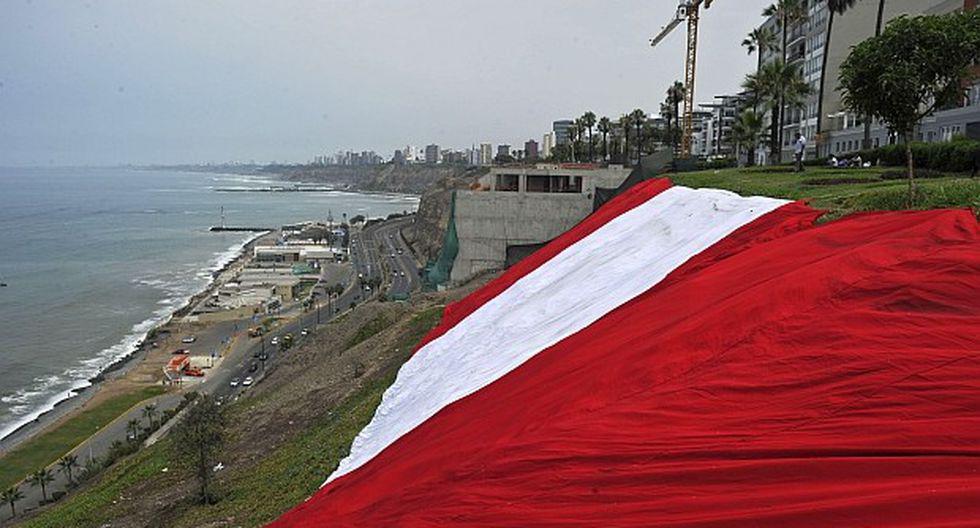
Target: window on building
[
  {"x": 508, "y": 182},
  {"x": 554, "y": 184}
]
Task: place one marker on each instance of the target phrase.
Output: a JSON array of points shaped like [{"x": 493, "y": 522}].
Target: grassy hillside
[
  {"x": 289, "y": 433},
  {"x": 841, "y": 191},
  {"x": 47, "y": 448}
]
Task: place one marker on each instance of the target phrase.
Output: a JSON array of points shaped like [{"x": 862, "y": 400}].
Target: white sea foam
[{"x": 47, "y": 391}]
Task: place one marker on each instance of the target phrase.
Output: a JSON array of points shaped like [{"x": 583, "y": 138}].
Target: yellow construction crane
[{"x": 689, "y": 10}]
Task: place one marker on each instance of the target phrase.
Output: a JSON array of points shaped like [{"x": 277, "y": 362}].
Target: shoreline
[{"x": 75, "y": 398}]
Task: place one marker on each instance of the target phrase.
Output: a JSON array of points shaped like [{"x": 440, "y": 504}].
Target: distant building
[
  {"x": 454, "y": 156},
  {"x": 411, "y": 153},
  {"x": 486, "y": 154},
  {"x": 531, "y": 150},
  {"x": 562, "y": 130},
  {"x": 714, "y": 125},
  {"x": 432, "y": 154},
  {"x": 503, "y": 150},
  {"x": 398, "y": 158},
  {"x": 547, "y": 144}
]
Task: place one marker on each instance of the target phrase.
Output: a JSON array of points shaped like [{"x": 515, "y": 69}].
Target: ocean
[{"x": 94, "y": 258}]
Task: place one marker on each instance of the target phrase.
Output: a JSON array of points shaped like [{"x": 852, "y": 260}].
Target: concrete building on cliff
[{"x": 513, "y": 206}]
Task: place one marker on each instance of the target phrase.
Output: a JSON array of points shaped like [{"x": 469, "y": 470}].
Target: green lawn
[
  {"x": 44, "y": 449},
  {"x": 839, "y": 191}
]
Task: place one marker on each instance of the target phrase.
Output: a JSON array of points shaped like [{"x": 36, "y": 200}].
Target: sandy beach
[{"x": 142, "y": 368}]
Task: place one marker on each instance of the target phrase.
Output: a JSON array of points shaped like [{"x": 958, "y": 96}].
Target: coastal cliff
[{"x": 408, "y": 179}]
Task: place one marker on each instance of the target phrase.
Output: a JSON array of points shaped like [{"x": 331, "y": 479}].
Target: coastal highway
[
  {"x": 404, "y": 267},
  {"x": 373, "y": 243}
]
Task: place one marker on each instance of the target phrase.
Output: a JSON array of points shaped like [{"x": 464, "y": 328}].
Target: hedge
[{"x": 951, "y": 156}]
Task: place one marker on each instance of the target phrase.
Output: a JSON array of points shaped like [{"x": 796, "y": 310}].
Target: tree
[
  {"x": 667, "y": 113},
  {"x": 67, "y": 464},
  {"x": 788, "y": 12},
  {"x": 199, "y": 438},
  {"x": 748, "y": 132},
  {"x": 605, "y": 126},
  {"x": 675, "y": 96},
  {"x": 777, "y": 84},
  {"x": 639, "y": 117},
  {"x": 626, "y": 123},
  {"x": 914, "y": 67},
  {"x": 588, "y": 121},
  {"x": 132, "y": 430},
  {"x": 150, "y": 412},
  {"x": 42, "y": 478},
  {"x": 573, "y": 132},
  {"x": 760, "y": 40},
  {"x": 12, "y": 496}
]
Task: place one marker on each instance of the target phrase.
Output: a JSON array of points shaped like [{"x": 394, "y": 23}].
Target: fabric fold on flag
[{"x": 690, "y": 357}]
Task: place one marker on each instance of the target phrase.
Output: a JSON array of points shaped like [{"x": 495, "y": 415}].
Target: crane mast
[{"x": 689, "y": 10}]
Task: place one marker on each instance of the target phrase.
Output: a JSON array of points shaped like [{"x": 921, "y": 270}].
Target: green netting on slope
[{"x": 437, "y": 273}]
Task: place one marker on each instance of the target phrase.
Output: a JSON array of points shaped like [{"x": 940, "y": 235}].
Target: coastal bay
[{"x": 109, "y": 256}]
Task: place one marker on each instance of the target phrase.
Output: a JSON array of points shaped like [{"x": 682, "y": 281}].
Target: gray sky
[{"x": 106, "y": 82}]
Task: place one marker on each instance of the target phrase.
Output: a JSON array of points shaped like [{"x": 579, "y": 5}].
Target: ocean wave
[{"x": 27, "y": 404}]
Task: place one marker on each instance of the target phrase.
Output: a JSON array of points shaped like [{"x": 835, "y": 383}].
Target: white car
[
  {"x": 235, "y": 382},
  {"x": 275, "y": 340},
  {"x": 188, "y": 340},
  {"x": 305, "y": 332},
  {"x": 247, "y": 382},
  {"x": 401, "y": 273}
]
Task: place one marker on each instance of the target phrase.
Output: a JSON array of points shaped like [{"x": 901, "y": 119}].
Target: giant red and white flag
[{"x": 691, "y": 358}]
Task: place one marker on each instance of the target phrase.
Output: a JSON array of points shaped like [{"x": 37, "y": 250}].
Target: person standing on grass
[{"x": 799, "y": 147}]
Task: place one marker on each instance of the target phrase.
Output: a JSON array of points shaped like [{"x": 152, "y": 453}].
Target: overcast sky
[{"x": 107, "y": 82}]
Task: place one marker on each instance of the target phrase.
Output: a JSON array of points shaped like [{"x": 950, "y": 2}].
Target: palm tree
[
  {"x": 150, "y": 411},
  {"x": 675, "y": 96},
  {"x": 588, "y": 121},
  {"x": 605, "y": 126},
  {"x": 626, "y": 122},
  {"x": 12, "y": 496},
  {"x": 639, "y": 117},
  {"x": 748, "y": 132},
  {"x": 788, "y": 12},
  {"x": 67, "y": 464},
  {"x": 668, "y": 114},
  {"x": 42, "y": 477},
  {"x": 573, "y": 137},
  {"x": 132, "y": 429},
  {"x": 760, "y": 40},
  {"x": 777, "y": 84}
]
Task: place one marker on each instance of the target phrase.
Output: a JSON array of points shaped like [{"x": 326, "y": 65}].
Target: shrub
[
  {"x": 949, "y": 156},
  {"x": 717, "y": 164}
]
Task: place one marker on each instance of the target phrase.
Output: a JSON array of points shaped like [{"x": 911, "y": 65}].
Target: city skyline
[{"x": 107, "y": 83}]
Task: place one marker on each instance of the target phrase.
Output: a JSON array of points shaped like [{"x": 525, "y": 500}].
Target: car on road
[
  {"x": 235, "y": 382},
  {"x": 188, "y": 339},
  {"x": 181, "y": 351},
  {"x": 253, "y": 367},
  {"x": 247, "y": 382},
  {"x": 263, "y": 356},
  {"x": 401, "y": 273},
  {"x": 392, "y": 255},
  {"x": 275, "y": 340},
  {"x": 305, "y": 332}
]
